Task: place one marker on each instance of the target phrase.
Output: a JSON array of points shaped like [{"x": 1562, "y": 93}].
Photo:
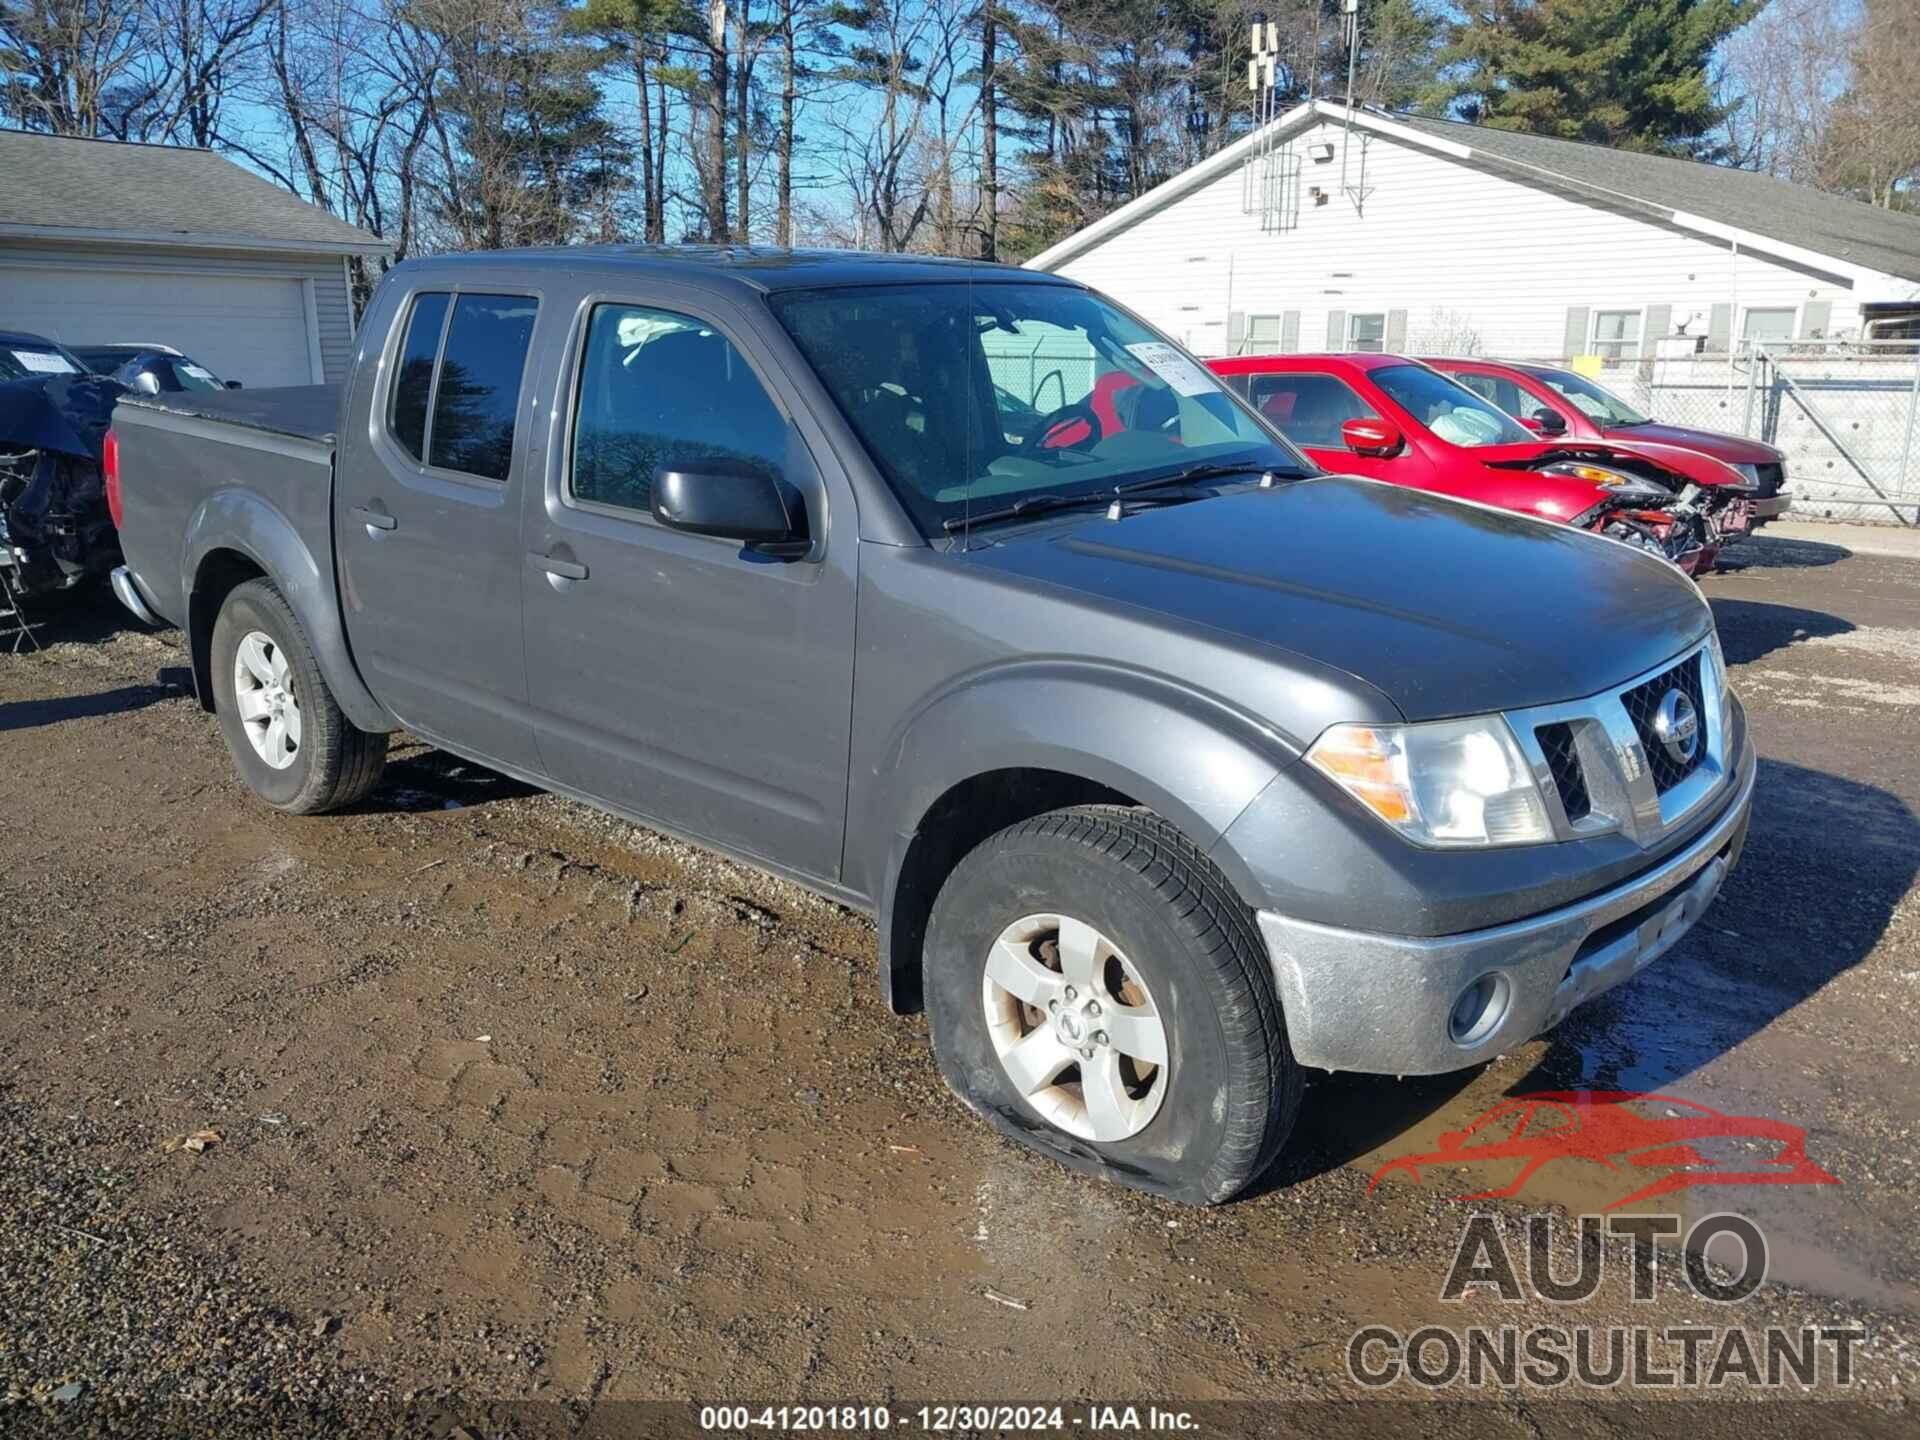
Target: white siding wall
[
  {"x": 1456, "y": 249},
  {"x": 333, "y": 308}
]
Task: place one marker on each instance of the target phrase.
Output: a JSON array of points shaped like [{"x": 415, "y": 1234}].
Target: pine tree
[{"x": 1627, "y": 73}]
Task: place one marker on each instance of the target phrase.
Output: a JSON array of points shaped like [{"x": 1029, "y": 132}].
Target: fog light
[{"x": 1478, "y": 1011}]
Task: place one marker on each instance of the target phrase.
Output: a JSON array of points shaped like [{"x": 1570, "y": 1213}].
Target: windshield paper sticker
[
  {"x": 43, "y": 363},
  {"x": 1170, "y": 365}
]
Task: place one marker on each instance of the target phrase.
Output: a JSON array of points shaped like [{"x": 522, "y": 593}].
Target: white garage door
[{"x": 243, "y": 327}]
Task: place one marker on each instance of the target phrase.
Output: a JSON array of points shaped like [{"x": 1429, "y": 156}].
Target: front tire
[
  {"x": 1096, "y": 989},
  {"x": 289, "y": 739}
]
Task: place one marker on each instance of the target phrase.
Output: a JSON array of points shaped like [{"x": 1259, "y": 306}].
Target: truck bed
[
  {"x": 302, "y": 412},
  {"x": 253, "y": 464}
]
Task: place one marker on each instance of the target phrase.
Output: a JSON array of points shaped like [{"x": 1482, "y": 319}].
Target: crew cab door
[
  {"x": 427, "y": 522},
  {"x": 681, "y": 677}
]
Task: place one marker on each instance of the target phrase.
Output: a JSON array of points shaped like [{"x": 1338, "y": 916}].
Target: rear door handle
[
  {"x": 565, "y": 569},
  {"x": 378, "y": 519}
]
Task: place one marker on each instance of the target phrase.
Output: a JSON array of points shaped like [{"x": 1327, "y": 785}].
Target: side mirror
[
  {"x": 235, "y": 385},
  {"x": 146, "y": 383},
  {"x": 1544, "y": 422},
  {"x": 1372, "y": 437},
  {"x": 733, "y": 501}
]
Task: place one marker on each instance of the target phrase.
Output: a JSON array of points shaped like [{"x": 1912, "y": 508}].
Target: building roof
[
  {"x": 1833, "y": 225},
  {"x": 1714, "y": 200},
  {"x": 62, "y": 187}
]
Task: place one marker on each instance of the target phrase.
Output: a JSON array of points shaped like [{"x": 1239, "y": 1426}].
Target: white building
[{"x": 1330, "y": 230}]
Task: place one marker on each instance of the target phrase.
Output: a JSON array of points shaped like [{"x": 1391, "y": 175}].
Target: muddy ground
[{"x": 516, "y": 1103}]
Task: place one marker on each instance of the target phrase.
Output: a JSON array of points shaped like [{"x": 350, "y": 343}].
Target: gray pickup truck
[{"x": 1169, "y": 766}]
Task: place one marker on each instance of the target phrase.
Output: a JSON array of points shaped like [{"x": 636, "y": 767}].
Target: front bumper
[
  {"x": 1771, "y": 508},
  {"x": 1387, "y": 1004}
]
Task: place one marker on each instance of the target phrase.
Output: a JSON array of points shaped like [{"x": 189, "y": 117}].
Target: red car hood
[
  {"x": 1736, "y": 449},
  {"x": 1689, "y": 464}
]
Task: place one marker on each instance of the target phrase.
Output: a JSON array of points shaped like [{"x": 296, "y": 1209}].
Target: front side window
[
  {"x": 1616, "y": 335},
  {"x": 477, "y": 394},
  {"x": 658, "y": 388},
  {"x": 1308, "y": 409},
  {"x": 973, "y": 396},
  {"x": 1367, "y": 333},
  {"x": 1597, "y": 401},
  {"x": 413, "y": 372},
  {"x": 1451, "y": 411}
]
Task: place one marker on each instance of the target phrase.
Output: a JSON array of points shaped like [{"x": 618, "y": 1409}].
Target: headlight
[
  {"x": 1748, "y": 473},
  {"x": 1627, "y": 487},
  {"x": 1450, "y": 783},
  {"x": 1717, "y": 663}
]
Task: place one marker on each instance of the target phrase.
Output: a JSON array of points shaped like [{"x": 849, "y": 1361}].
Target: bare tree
[
  {"x": 60, "y": 61},
  {"x": 899, "y": 166},
  {"x": 1875, "y": 149},
  {"x": 1780, "y": 77},
  {"x": 195, "y": 56}
]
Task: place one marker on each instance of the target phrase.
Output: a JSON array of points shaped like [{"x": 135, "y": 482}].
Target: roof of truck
[{"x": 764, "y": 268}]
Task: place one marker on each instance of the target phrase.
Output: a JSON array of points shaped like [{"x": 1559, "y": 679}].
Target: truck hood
[{"x": 1444, "y": 607}]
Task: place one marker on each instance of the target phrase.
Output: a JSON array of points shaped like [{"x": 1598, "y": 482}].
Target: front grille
[
  {"x": 1643, "y": 703},
  {"x": 1771, "y": 478},
  {"x": 1556, "y": 743}
]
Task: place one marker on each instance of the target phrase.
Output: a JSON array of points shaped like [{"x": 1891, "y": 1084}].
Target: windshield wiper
[
  {"x": 1193, "y": 474},
  {"x": 1032, "y": 505},
  {"x": 1180, "y": 479}
]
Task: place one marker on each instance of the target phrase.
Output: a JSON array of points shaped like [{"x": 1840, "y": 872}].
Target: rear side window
[
  {"x": 1308, "y": 409},
  {"x": 660, "y": 388},
  {"x": 478, "y": 393},
  {"x": 413, "y": 380}
]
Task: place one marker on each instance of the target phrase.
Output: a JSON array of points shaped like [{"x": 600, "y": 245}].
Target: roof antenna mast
[
  {"x": 1357, "y": 193},
  {"x": 1271, "y": 173}
]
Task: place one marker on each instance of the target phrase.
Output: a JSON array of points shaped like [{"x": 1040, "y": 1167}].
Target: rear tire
[
  {"x": 1173, "y": 946},
  {"x": 292, "y": 745}
]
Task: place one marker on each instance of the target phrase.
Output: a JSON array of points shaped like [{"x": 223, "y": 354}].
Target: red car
[
  {"x": 1391, "y": 418},
  {"x": 1553, "y": 401}
]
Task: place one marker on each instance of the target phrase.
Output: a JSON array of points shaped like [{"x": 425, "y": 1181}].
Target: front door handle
[
  {"x": 377, "y": 519},
  {"x": 565, "y": 569}
]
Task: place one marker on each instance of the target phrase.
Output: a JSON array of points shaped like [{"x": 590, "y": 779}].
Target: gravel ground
[{"x": 527, "y": 1117}]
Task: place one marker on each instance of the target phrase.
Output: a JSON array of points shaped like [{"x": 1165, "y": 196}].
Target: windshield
[
  {"x": 974, "y": 397},
  {"x": 1450, "y": 410},
  {"x": 189, "y": 376},
  {"x": 1599, "y": 403}
]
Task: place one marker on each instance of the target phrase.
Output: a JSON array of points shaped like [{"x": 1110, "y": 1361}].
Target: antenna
[
  {"x": 1270, "y": 181},
  {"x": 1356, "y": 192}
]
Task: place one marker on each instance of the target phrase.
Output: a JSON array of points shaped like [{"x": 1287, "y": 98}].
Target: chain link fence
[
  {"x": 1043, "y": 374},
  {"x": 1846, "y": 414}
]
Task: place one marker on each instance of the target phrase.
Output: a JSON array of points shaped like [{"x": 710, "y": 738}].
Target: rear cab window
[{"x": 456, "y": 388}]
